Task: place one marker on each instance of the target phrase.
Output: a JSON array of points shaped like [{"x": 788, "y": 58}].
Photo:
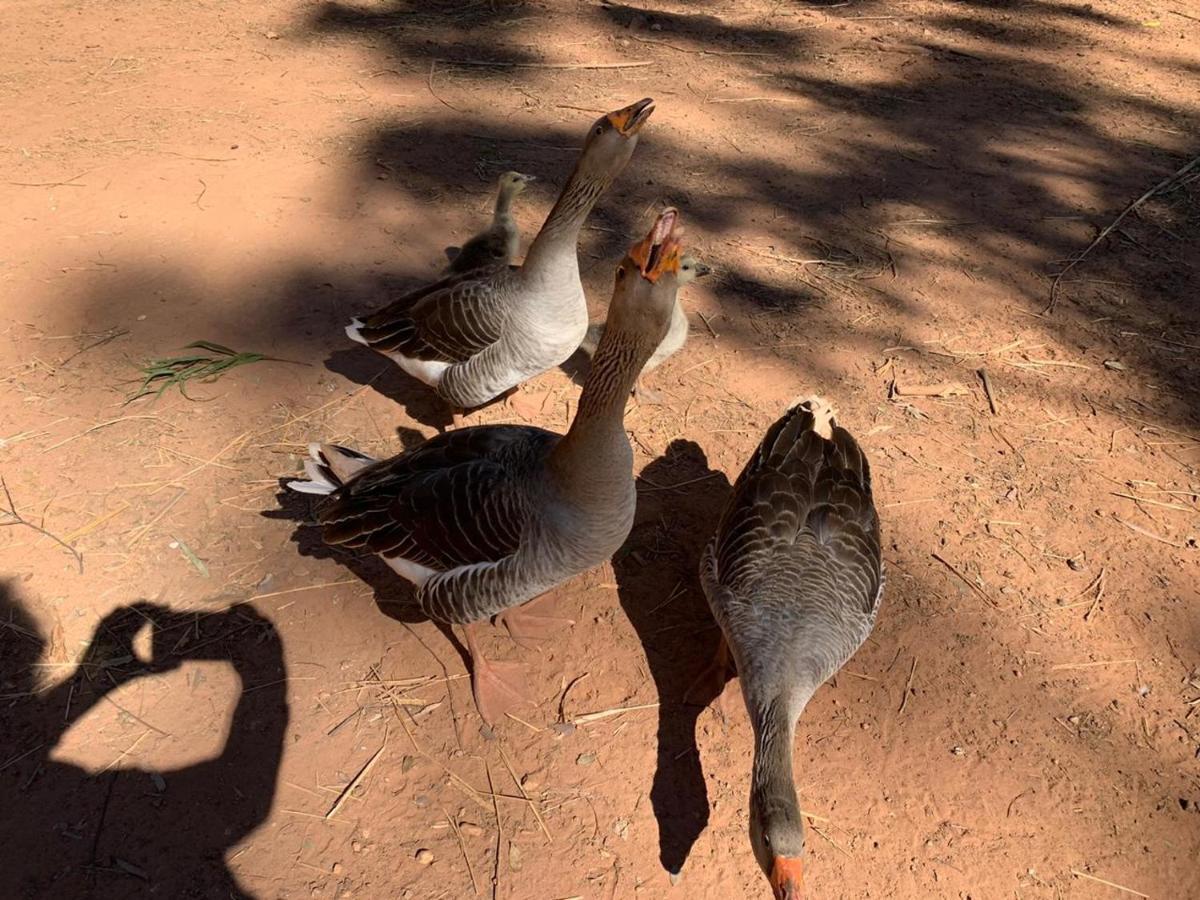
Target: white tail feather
[{"x": 353, "y": 331}]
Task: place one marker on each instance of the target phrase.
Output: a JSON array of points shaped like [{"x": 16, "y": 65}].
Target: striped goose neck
[
  {"x": 594, "y": 455},
  {"x": 772, "y": 783},
  {"x": 560, "y": 231}
]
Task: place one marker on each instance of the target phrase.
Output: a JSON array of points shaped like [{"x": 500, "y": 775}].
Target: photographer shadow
[{"x": 125, "y": 831}]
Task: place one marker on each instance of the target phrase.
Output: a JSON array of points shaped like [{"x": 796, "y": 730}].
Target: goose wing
[
  {"x": 460, "y": 499},
  {"x": 449, "y": 321},
  {"x": 802, "y": 513}
]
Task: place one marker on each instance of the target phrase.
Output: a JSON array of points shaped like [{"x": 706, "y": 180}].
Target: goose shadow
[{"x": 679, "y": 501}]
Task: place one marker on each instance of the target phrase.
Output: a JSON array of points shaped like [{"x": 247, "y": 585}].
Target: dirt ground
[{"x": 886, "y": 190}]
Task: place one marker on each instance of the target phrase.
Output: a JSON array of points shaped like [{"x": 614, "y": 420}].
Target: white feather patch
[{"x": 411, "y": 571}]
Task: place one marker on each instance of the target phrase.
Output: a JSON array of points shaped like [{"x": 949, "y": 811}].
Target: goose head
[
  {"x": 647, "y": 280},
  {"x": 513, "y": 183},
  {"x": 611, "y": 140},
  {"x": 691, "y": 268},
  {"x": 777, "y": 836}
]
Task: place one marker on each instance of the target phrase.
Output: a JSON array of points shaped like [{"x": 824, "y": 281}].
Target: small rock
[
  {"x": 336, "y": 869},
  {"x": 514, "y": 857},
  {"x": 1143, "y": 690},
  {"x": 424, "y": 857},
  {"x": 356, "y": 846},
  {"x": 563, "y": 729},
  {"x": 1114, "y": 364},
  {"x": 159, "y": 784},
  {"x": 958, "y": 751},
  {"x": 271, "y": 36},
  {"x": 407, "y": 763},
  {"x": 1075, "y": 565},
  {"x": 421, "y": 801},
  {"x": 585, "y": 759},
  {"x": 530, "y": 781},
  {"x": 470, "y": 829}
]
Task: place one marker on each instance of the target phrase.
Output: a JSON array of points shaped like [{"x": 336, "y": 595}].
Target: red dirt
[{"x": 1023, "y": 720}]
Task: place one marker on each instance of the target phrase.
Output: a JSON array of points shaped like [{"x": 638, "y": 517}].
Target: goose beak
[
  {"x": 526, "y": 178},
  {"x": 702, "y": 269},
  {"x": 659, "y": 251},
  {"x": 787, "y": 878},
  {"x": 628, "y": 121}
]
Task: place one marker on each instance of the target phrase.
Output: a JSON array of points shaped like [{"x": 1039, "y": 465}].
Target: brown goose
[
  {"x": 484, "y": 519},
  {"x": 475, "y": 335},
  {"x": 690, "y": 269},
  {"x": 499, "y": 242},
  {"x": 794, "y": 578}
]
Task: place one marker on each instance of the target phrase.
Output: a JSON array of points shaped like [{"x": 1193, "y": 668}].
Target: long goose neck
[
  {"x": 772, "y": 783},
  {"x": 594, "y": 455},
  {"x": 560, "y": 231},
  {"x": 504, "y": 202}
]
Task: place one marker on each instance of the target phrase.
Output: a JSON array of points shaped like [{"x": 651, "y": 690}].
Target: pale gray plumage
[
  {"x": 794, "y": 579},
  {"x": 677, "y": 332},
  {"x": 474, "y": 335}
]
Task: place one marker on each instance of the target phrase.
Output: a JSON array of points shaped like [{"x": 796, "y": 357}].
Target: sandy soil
[{"x": 886, "y": 190}]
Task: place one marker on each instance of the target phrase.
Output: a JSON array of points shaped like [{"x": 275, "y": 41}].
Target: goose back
[{"x": 794, "y": 574}]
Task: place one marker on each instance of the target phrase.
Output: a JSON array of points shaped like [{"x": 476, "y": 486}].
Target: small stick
[
  {"x": 565, "y": 66},
  {"x": 588, "y": 718},
  {"x": 1150, "y": 534},
  {"x": 908, "y": 686},
  {"x": 708, "y": 325},
  {"x": 499, "y": 830},
  {"x": 1111, "y": 884},
  {"x": 967, "y": 581},
  {"x": 16, "y": 519},
  {"x": 1090, "y": 665},
  {"x": 1099, "y": 582},
  {"x": 1137, "y": 499},
  {"x": 942, "y": 389},
  {"x": 357, "y": 779},
  {"x": 988, "y": 392},
  {"x": 533, "y": 804},
  {"x": 1110, "y": 228},
  {"x": 462, "y": 845}
]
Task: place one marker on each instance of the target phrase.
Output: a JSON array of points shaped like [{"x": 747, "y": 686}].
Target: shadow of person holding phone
[{"x": 127, "y": 832}]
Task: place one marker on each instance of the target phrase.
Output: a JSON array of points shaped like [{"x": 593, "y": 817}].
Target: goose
[
  {"x": 486, "y": 518},
  {"x": 794, "y": 579},
  {"x": 690, "y": 269},
  {"x": 500, "y": 241},
  {"x": 473, "y": 336}
]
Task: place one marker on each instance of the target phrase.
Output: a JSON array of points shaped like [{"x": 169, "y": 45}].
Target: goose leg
[
  {"x": 497, "y": 685},
  {"x": 531, "y": 622},
  {"x": 709, "y": 685}
]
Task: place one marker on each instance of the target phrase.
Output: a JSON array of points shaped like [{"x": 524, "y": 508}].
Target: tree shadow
[
  {"x": 658, "y": 589},
  {"x": 126, "y": 831}
]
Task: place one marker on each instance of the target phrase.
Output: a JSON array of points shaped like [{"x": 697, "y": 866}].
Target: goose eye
[
  {"x": 621, "y": 273},
  {"x": 599, "y": 130}
]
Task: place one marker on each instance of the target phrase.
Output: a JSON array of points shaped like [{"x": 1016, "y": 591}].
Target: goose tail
[
  {"x": 354, "y": 331},
  {"x": 328, "y": 467}
]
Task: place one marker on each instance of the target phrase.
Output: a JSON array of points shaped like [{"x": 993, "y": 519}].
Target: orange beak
[
  {"x": 630, "y": 119},
  {"x": 787, "y": 878},
  {"x": 660, "y": 251}
]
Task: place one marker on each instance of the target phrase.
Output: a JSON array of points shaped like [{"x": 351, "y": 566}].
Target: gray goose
[
  {"x": 486, "y": 518},
  {"x": 794, "y": 579},
  {"x": 690, "y": 269},
  {"x": 473, "y": 336},
  {"x": 499, "y": 242}
]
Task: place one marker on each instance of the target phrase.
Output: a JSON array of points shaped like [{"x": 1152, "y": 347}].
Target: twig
[
  {"x": 70, "y": 182},
  {"x": 17, "y": 519},
  {"x": 700, "y": 52},
  {"x": 1137, "y": 499},
  {"x": 520, "y": 65},
  {"x": 988, "y": 392},
  {"x": 462, "y": 845},
  {"x": 111, "y": 336},
  {"x": 1111, "y": 227},
  {"x": 357, "y": 779},
  {"x": 1111, "y": 884},
  {"x": 429, "y": 83},
  {"x": 1062, "y": 667},
  {"x": 587, "y": 718},
  {"x": 499, "y": 830},
  {"x": 908, "y": 686},
  {"x": 1148, "y": 533},
  {"x": 533, "y": 804},
  {"x": 967, "y": 581},
  {"x": 94, "y": 428}
]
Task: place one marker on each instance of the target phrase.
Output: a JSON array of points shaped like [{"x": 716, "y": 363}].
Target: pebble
[
  {"x": 356, "y": 846},
  {"x": 585, "y": 759},
  {"x": 470, "y": 828},
  {"x": 424, "y": 857},
  {"x": 336, "y": 869}
]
